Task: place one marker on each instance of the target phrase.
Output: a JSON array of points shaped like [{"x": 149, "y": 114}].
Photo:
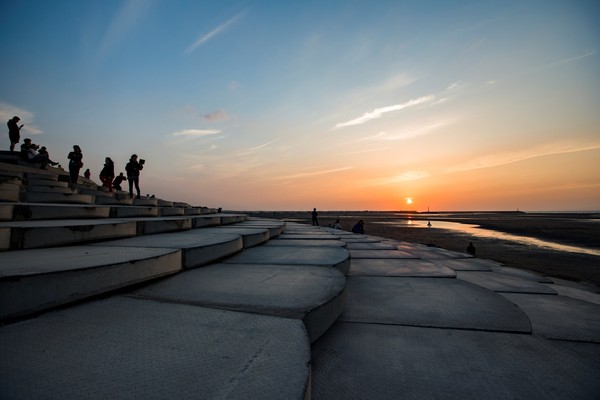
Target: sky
[{"x": 339, "y": 105}]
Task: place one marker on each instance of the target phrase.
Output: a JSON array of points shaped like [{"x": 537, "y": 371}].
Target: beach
[{"x": 568, "y": 229}]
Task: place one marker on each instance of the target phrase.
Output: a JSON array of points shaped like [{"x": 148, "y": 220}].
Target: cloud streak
[
  {"x": 7, "y": 111},
  {"x": 499, "y": 159},
  {"x": 210, "y": 35},
  {"x": 304, "y": 174},
  {"x": 399, "y": 178},
  {"x": 255, "y": 149},
  {"x": 378, "y": 112},
  {"x": 196, "y": 132}
]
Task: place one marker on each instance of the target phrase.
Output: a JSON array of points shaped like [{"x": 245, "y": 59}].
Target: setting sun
[{"x": 409, "y": 200}]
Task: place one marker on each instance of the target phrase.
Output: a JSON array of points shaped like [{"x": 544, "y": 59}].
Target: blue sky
[{"x": 328, "y": 104}]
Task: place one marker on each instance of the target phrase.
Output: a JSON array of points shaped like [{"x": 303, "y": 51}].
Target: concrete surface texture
[{"x": 276, "y": 317}]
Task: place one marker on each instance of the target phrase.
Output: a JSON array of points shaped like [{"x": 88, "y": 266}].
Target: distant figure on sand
[
  {"x": 471, "y": 249},
  {"x": 118, "y": 180},
  {"x": 429, "y": 224},
  {"x": 337, "y": 224},
  {"x": 133, "y": 169},
  {"x": 108, "y": 173},
  {"x": 75, "y": 163},
  {"x": 315, "y": 214},
  {"x": 14, "y": 131},
  {"x": 359, "y": 227}
]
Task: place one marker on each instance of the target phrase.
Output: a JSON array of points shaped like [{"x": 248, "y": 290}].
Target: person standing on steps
[
  {"x": 315, "y": 214},
  {"x": 14, "y": 132},
  {"x": 75, "y": 163},
  {"x": 108, "y": 173},
  {"x": 133, "y": 169}
]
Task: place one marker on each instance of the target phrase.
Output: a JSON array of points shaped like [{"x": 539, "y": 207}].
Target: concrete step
[
  {"x": 133, "y": 211},
  {"x": 125, "y": 348},
  {"x": 10, "y": 184},
  {"x": 198, "y": 247},
  {"x": 312, "y": 295},
  {"x": 116, "y": 200},
  {"x": 170, "y": 211},
  {"x": 227, "y": 219},
  {"x": 35, "y": 280},
  {"x": 51, "y": 189},
  {"x": 37, "y": 234},
  {"x": 164, "y": 203},
  {"x": 40, "y": 197},
  {"x": 145, "y": 202},
  {"x": 6, "y": 211},
  {"x": 251, "y": 236},
  {"x": 9, "y": 195},
  {"x": 42, "y": 181},
  {"x": 34, "y": 211}
]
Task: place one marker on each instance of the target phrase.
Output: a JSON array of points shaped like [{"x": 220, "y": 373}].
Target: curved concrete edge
[
  {"x": 159, "y": 225},
  {"x": 203, "y": 221},
  {"x": 251, "y": 236},
  {"x": 135, "y": 211},
  {"x": 199, "y": 256},
  {"x": 227, "y": 219},
  {"x": 319, "y": 320},
  {"x": 47, "y": 236},
  {"x": 164, "y": 350},
  {"x": 24, "y": 295},
  {"x": 59, "y": 211},
  {"x": 41, "y": 197},
  {"x": 171, "y": 211}
]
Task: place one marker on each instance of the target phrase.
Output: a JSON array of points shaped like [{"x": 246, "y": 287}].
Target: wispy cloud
[
  {"x": 498, "y": 159},
  {"x": 124, "y": 21},
  {"x": 378, "y": 112},
  {"x": 587, "y": 54},
  {"x": 196, "y": 132},
  {"x": 7, "y": 111},
  {"x": 208, "y": 36},
  {"x": 304, "y": 174},
  {"x": 216, "y": 116},
  {"x": 255, "y": 149},
  {"x": 410, "y": 132},
  {"x": 399, "y": 178}
]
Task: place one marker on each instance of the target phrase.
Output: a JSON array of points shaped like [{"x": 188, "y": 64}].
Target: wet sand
[{"x": 582, "y": 230}]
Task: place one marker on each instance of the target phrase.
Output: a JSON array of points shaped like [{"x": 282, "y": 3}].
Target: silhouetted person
[
  {"x": 14, "y": 131},
  {"x": 118, "y": 180},
  {"x": 429, "y": 224},
  {"x": 75, "y": 163},
  {"x": 87, "y": 174},
  {"x": 133, "y": 169},
  {"x": 25, "y": 149},
  {"x": 471, "y": 249},
  {"x": 34, "y": 157},
  {"x": 315, "y": 214},
  {"x": 337, "y": 224},
  {"x": 108, "y": 173},
  {"x": 44, "y": 151},
  {"x": 359, "y": 227}
]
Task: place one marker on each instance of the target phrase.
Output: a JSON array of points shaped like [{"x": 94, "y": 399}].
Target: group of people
[
  {"x": 32, "y": 153},
  {"x": 359, "y": 227}
]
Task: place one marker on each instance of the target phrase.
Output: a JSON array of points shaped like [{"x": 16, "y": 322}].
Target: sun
[{"x": 409, "y": 200}]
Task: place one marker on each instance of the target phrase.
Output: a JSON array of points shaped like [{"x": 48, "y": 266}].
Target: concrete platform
[
  {"x": 35, "y": 280},
  {"x": 124, "y": 348},
  {"x": 251, "y": 236},
  {"x": 170, "y": 211},
  {"x": 116, "y": 200},
  {"x": 133, "y": 211},
  {"x": 385, "y": 254},
  {"x": 371, "y": 361},
  {"x": 11, "y": 196},
  {"x": 469, "y": 264},
  {"x": 198, "y": 248},
  {"x": 500, "y": 282},
  {"x": 440, "y": 303},
  {"x": 370, "y": 246},
  {"x": 560, "y": 317},
  {"x": 66, "y": 198},
  {"x": 335, "y": 257},
  {"x": 519, "y": 273},
  {"x": 47, "y": 181},
  {"x": 227, "y": 219},
  {"x": 305, "y": 243},
  {"x": 145, "y": 202},
  {"x": 314, "y": 236},
  {"x": 36, "y": 234},
  {"x": 313, "y": 295},
  {"x": 33, "y": 211},
  {"x": 399, "y": 267}
]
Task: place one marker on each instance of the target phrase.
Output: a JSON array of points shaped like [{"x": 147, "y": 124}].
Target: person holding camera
[{"x": 133, "y": 169}]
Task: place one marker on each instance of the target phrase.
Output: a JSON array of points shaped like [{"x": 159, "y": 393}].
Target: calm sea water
[{"x": 475, "y": 230}]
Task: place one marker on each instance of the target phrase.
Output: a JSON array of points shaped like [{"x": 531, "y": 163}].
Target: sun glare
[{"x": 409, "y": 200}]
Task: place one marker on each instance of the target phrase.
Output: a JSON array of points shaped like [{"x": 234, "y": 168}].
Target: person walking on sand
[
  {"x": 108, "y": 173},
  {"x": 14, "y": 132},
  {"x": 315, "y": 214},
  {"x": 75, "y": 163},
  {"x": 133, "y": 169}
]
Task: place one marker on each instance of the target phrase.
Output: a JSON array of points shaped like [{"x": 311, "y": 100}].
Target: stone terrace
[{"x": 105, "y": 297}]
